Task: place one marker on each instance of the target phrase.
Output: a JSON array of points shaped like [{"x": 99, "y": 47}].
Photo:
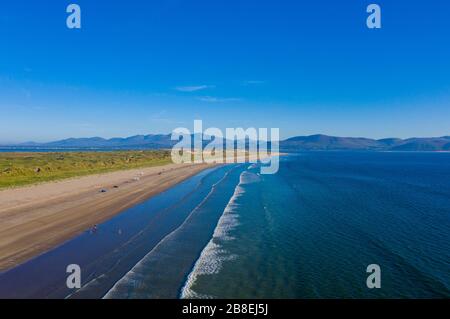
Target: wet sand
[{"x": 36, "y": 218}]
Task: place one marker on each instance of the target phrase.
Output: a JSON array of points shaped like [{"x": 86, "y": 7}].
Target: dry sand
[{"x": 37, "y": 218}]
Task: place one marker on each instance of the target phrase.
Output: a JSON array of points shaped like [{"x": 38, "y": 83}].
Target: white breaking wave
[
  {"x": 135, "y": 275},
  {"x": 213, "y": 255}
]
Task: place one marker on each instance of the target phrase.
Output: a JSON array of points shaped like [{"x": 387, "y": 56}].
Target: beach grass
[{"x": 18, "y": 169}]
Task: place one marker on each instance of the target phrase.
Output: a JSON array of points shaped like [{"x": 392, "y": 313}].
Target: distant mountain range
[
  {"x": 151, "y": 141},
  {"x": 324, "y": 142},
  {"x": 298, "y": 143}
]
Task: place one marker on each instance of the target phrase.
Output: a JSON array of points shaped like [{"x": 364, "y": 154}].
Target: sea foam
[
  {"x": 213, "y": 255},
  {"x": 136, "y": 275}
]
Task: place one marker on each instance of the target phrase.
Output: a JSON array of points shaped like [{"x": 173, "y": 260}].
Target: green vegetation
[{"x": 17, "y": 169}]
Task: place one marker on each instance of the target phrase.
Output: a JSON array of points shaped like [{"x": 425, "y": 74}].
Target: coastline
[{"x": 34, "y": 219}]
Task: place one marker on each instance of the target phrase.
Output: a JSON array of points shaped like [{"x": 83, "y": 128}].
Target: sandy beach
[{"x": 37, "y": 218}]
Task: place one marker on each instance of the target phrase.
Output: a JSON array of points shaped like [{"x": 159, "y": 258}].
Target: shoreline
[{"x": 35, "y": 219}]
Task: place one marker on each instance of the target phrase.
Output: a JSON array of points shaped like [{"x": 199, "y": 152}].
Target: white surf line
[
  {"x": 103, "y": 275},
  {"x": 209, "y": 262},
  {"x": 133, "y": 270}
]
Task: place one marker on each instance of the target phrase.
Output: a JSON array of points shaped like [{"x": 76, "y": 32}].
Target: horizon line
[{"x": 8, "y": 144}]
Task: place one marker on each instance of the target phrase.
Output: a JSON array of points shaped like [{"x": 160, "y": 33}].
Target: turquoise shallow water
[{"x": 309, "y": 231}]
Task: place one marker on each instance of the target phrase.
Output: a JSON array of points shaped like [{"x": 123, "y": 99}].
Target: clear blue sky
[{"x": 139, "y": 67}]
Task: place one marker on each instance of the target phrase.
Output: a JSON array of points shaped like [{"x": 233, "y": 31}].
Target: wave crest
[{"x": 213, "y": 255}]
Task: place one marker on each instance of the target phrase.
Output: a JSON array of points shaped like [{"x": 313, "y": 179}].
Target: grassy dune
[{"x": 17, "y": 169}]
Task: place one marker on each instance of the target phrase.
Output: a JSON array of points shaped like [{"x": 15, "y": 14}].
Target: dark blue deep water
[{"x": 309, "y": 231}]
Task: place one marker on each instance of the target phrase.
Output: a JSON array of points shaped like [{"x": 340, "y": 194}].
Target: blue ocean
[{"x": 309, "y": 231}]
